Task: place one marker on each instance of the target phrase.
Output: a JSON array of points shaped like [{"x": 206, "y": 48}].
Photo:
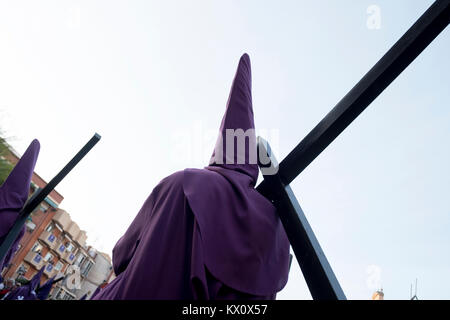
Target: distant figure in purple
[
  {"x": 207, "y": 234},
  {"x": 13, "y": 195}
]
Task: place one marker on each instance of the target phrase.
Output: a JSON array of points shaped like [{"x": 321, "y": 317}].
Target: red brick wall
[
  {"x": 37, "y": 179},
  {"x": 41, "y": 219}
]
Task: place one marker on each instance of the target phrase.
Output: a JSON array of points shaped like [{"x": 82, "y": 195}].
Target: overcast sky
[{"x": 152, "y": 78}]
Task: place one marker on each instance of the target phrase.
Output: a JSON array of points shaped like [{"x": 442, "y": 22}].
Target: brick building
[{"x": 25, "y": 263}]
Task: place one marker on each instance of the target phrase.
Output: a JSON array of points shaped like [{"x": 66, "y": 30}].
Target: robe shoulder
[
  {"x": 239, "y": 227},
  {"x": 220, "y": 184},
  {"x": 126, "y": 246}
]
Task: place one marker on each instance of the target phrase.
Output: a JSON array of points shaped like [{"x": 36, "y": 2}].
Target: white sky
[{"x": 153, "y": 79}]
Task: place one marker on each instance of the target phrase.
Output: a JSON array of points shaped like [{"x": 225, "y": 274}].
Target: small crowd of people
[{"x": 7, "y": 286}]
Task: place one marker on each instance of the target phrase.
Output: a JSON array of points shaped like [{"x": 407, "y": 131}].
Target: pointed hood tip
[
  {"x": 44, "y": 290},
  {"x": 32, "y": 151},
  {"x": 35, "y": 145},
  {"x": 19, "y": 178},
  {"x": 36, "y": 142},
  {"x": 244, "y": 63},
  {"x": 245, "y": 57},
  {"x": 36, "y": 279},
  {"x": 238, "y": 116}
]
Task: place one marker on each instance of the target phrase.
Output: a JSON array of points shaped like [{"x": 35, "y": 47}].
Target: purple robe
[
  {"x": 44, "y": 291},
  {"x": 27, "y": 291},
  {"x": 13, "y": 195},
  {"x": 206, "y": 233}
]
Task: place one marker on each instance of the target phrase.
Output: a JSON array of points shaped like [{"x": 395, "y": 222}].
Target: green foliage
[{"x": 22, "y": 280}]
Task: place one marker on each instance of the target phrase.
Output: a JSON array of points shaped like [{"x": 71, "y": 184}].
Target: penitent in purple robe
[
  {"x": 44, "y": 290},
  {"x": 206, "y": 233},
  {"x": 13, "y": 195},
  {"x": 27, "y": 291}
]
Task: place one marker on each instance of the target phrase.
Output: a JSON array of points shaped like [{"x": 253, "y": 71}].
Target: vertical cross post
[
  {"x": 319, "y": 276},
  {"x": 317, "y": 272}
]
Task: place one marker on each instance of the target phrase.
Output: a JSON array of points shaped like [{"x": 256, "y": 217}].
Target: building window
[
  {"x": 49, "y": 227},
  {"x": 67, "y": 297},
  {"x": 69, "y": 246},
  {"x": 22, "y": 269},
  {"x": 59, "y": 266},
  {"x": 37, "y": 247},
  {"x": 49, "y": 267},
  {"x": 92, "y": 253},
  {"x": 59, "y": 294},
  {"x": 80, "y": 259},
  {"x": 30, "y": 226},
  {"x": 48, "y": 256},
  {"x": 86, "y": 268}
]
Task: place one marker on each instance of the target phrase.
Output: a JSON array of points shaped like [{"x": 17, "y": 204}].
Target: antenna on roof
[{"x": 415, "y": 292}]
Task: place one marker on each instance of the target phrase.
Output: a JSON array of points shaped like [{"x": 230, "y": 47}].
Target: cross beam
[
  {"x": 317, "y": 272},
  {"x": 41, "y": 194}
]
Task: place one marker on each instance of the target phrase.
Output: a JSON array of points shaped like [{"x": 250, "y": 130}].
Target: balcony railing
[
  {"x": 86, "y": 268},
  {"x": 35, "y": 259},
  {"x": 49, "y": 239},
  {"x": 68, "y": 257},
  {"x": 60, "y": 248},
  {"x": 81, "y": 238},
  {"x": 73, "y": 230},
  {"x": 50, "y": 270},
  {"x": 63, "y": 219}
]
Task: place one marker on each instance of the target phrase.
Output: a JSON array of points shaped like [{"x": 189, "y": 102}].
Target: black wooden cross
[{"x": 318, "y": 273}]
